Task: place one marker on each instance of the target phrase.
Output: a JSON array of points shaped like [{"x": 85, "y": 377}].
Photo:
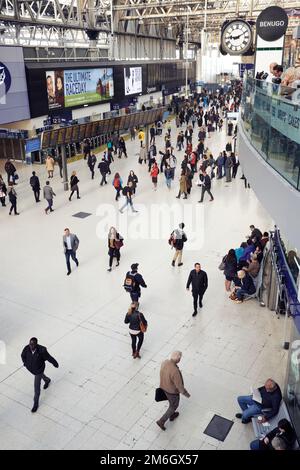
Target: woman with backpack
[
  {"x": 133, "y": 179},
  {"x": 115, "y": 242},
  {"x": 154, "y": 173},
  {"x": 117, "y": 184},
  {"x": 137, "y": 328}
]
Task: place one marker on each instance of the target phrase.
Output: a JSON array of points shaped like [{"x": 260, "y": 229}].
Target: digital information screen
[
  {"x": 132, "y": 80},
  {"x": 68, "y": 136},
  {"x": 69, "y": 88}
]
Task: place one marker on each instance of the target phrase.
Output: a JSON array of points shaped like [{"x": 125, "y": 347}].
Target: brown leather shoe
[
  {"x": 160, "y": 425},
  {"x": 174, "y": 416},
  {"x": 137, "y": 354},
  {"x": 134, "y": 355}
]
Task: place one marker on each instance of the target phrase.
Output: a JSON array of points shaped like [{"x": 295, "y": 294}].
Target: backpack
[
  {"x": 124, "y": 191},
  {"x": 129, "y": 283},
  {"x": 172, "y": 238},
  {"x": 117, "y": 183}
]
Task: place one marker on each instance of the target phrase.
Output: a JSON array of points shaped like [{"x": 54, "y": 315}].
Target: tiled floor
[{"x": 100, "y": 398}]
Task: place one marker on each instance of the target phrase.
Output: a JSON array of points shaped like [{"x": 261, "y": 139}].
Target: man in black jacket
[
  {"x": 199, "y": 281},
  {"x": 206, "y": 186},
  {"x": 91, "y": 162},
  {"x": 104, "y": 169},
  {"x": 133, "y": 283},
  {"x": 34, "y": 356},
  {"x": 265, "y": 400},
  {"x": 35, "y": 184}
]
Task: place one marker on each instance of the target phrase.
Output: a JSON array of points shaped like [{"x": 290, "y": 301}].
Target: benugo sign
[{"x": 272, "y": 23}]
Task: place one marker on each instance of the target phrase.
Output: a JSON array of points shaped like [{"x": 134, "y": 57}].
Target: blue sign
[
  {"x": 244, "y": 67},
  {"x": 32, "y": 145}
]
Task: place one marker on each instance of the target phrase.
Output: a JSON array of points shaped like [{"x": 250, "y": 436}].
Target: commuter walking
[
  {"x": 199, "y": 281},
  {"x": 122, "y": 148},
  {"x": 141, "y": 136},
  {"x": 117, "y": 184},
  {"x": 35, "y": 185},
  {"x": 168, "y": 176},
  {"x": 137, "y": 326},
  {"x": 34, "y": 357},
  {"x": 133, "y": 283},
  {"x": 3, "y": 192},
  {"x": 132, "y": 178},
  {"x": 48, "y": 195},
  {"x": 154, "y": 173},
  {"x": 182, "y": 185},
  {"x": 74, "y": 185},
  {"x": 171, "y": 382},
  {"x": 10, "y": 170},
  {"x": 70, "y": 244},
  {"x": 235, "y": 165},
  {"x": 104, "y": 169},
  {"x": 228, "y": 167},
  {"x": 177, "y": 241},
  {"x": 152, "y": 135},
  {"x": 143, "y": 154},
  {"x": 127, "y": 192},
  {"x": 50, "y": 165},
  {"x": 132, "y": 133},
  {"x": 86, "y": 149},
  {"x": 206, "y": 186},
  {"x": 115, "y": 242},
  {"x": 91, "y": 162},
  {"x": 60, "y": 165},
  {"x": 12, "y": 197}
]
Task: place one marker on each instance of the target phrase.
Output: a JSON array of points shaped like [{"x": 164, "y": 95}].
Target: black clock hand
[{"x": 236, "y": 37}]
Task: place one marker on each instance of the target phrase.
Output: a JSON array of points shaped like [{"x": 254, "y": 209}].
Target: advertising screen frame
[{"x": 138, "y": 88}]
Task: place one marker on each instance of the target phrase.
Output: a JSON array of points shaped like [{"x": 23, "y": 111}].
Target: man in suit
[
  {"x": 199, "y": 281},
  {"x": 71, "y": 243},
  {"x": 35, "y": 184},
  {"x": 34, "y": 356},
  {"x": 206, "y": 186}
]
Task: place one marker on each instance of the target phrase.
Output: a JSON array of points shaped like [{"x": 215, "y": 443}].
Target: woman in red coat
[{"x": 154, "y": 173}]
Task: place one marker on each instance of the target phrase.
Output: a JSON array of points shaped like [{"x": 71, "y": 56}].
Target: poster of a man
[{"x": 50, "y": 88}]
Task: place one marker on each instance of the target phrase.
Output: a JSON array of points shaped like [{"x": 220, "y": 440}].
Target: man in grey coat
[
  {"x": 70, "y": 243},
  {"x": 48, "y": 195}
]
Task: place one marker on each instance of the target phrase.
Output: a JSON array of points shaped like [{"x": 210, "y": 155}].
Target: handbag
[
  {"x": 222, "y": 265},
  {"x": 118, "y": 244},
  {"x": 143, "y": 326},
  {"x": 160, "y": 395},
  {"x": 16, "y": 177}
]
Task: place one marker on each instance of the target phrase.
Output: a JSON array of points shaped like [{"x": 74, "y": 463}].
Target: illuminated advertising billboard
[
  {"x": 132, "y": 80},
  {"x": 70, "y": 88}
]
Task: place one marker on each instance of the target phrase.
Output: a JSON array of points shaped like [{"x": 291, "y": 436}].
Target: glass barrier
[{"x": 271, "y": 117}]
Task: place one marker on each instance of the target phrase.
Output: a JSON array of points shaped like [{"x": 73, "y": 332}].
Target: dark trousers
[
  {"x": 196, "y": 296},
  {"x": 50, "y": 204},
  {"x": 140, "y": 336},
  {"x": 204, "y": 190},
  {"x": 2, "y": 199},
  {"x": 92, "y": 169},
  {"x": 37, "y": 387},
  {"x": 13, "y": 207},
  {"x": 73, "y": 191},
  {"x": 173, "y": 405},
  {"x": 116, "y": 255},
  {"x": 234, "y": 171},
  {"x": 118, "y": 193},
  {"x": 103, "y": 181},
  {"x": 72, "y": 254},
  {"x": 36, "y": 193},
  {"x": 61, "y": 172}
]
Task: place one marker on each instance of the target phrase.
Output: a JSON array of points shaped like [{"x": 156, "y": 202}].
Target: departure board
[
  {"x": 75, "y": 134},
  {"x": 53, "y": 138},
  {"x": 82, "y": 131},
  {"x": 68, "y": 136},
  {"x": 61, "y": 136},
  {"x": 46, "y": 140}
]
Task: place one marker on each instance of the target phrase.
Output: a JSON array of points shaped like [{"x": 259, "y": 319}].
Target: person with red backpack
[
  {"x": 133, "y": 283},
  {"x": 154, "y": 173},
  {"x": 117, "y": 184}
]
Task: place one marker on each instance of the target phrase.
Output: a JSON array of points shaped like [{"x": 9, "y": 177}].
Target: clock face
[{"x": 236, "y": 37}]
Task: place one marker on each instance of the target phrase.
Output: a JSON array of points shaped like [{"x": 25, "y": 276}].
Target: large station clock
[{"x": 236, "y": 37}]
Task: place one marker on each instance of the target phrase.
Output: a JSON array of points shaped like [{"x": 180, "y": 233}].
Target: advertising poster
[
  {"x": 55, "y": 88},
  {"x": 70, "y": 88},
  {"x": 132, "y": 80},
  {"x": 88, "y": 86}
]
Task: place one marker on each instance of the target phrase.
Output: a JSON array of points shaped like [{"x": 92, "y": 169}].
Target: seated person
[
  {"x": 264, "y": 239},
  {"x": 240, "y": 251},
  {"x": 255, "y": 234},
  {"x": 246, "y": 284},
  {"x": 259, "y": 253},
  {"x": 250, "y": 248},
  {"x": 283, "y": 430},
  {"x": 270, "y": 398},
  {"x": 253, "y": 266}
]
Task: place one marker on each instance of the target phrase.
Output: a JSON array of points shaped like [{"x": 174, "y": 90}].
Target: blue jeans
[
  {"x": 249, "y": 407},
  {"x": 240, "y": 293},
  {"x": 255, "y": 445},
  {"x": 168, "y": 181}
]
